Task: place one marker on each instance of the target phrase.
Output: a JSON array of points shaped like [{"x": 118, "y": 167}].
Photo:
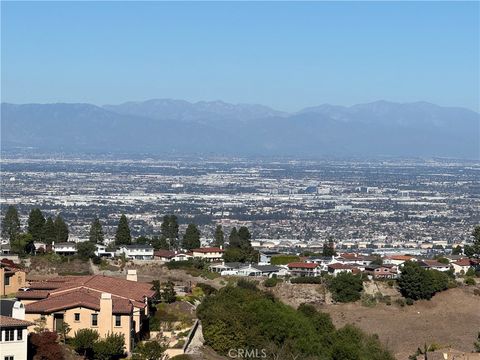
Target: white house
[
  {"x": 208, "y": 253},
  {"x": 13, "y": 332},
  {"x": 136, "y": 251},
  {"x": 337, "y": 268},
  {"x": 64, "y": 248},
  {"x": 103, "y": 252},
  {"x": 461, "y": 266}
]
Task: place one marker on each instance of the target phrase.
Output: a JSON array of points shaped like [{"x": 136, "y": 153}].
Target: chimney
[
  {"x": 105, "y": 316},
  {"x": 221, "y": 247},
  {"x": 18, "y": 311},
  {"x": 132, "y": 275}
]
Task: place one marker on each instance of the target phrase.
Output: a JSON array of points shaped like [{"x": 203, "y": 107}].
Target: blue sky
[{"x": 286, "y": 55}]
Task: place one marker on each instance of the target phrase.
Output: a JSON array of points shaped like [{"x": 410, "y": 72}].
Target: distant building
[
  {"x": 13, "y": 330},
  {"x": 303, "y": 269},
  {"x": 211, "y": 254},
  {"x": 12, "y": 277},
  {"x": 64, "y": 248}
]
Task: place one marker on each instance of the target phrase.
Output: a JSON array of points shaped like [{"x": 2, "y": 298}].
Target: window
[
  {"x": 94, "y": 319},
  {"x": 9, "y": 334},
  {"x": 7, "y": 280},
  {"x": 19, "y": 334},
  {"x": 118, "y": 320},
  {"x": 77, "y": 316},
  {"x": 9, "y": 358}
]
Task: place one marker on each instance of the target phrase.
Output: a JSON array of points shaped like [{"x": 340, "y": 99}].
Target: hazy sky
[{"x": 286, "y": 55}]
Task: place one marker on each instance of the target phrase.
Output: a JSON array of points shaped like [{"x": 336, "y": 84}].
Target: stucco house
[{"x": 12, "y": 277}]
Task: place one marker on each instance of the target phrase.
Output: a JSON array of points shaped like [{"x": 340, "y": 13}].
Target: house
[
  {"x": 336, "y": 268},
  {"x": 103, "y": 303},
  {"x": 13, "y": 330},
  {"x": 136, "y": 251},
  {"x": 102, "y": 251},
  {"x": 434, "y": 265},
  {"x": 226, "y": 268},
  {"x": 303, "y": 269},
  {"x": 64, "y": 248},
  {"x": 354, "y": 258},
  {"x": 164, "y": 255},
  {"x": 387, "y": 271},
  {"x": 461, "y": 266},
  {"x": 398, "y": 259},
  {"x": 12, "y": 277},
  {"x": 210, "y": 254},
  {"x": 259, "y": 270},
  {"x": 266, "y": 256}
]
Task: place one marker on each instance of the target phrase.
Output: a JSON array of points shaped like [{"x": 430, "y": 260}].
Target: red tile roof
[
  {"x": 164, "y": 253},
  {"x": 338, "y": 266},
  {"x": 75, "y": 298},
  {"x": 32, "y": 294},
  {"x": 132, "y": 290},
  {"x": 7, "y": 321},
  {"x": 302, "y": 265},
  {"x": 463, "y": 262}
]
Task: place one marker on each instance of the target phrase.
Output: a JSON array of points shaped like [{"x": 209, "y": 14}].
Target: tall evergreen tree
[
  {"x": 49, "y": 231},
  {"x": 61, "y": 229},
  {"x": 96, "y": 232},
  {"x": 233, "y": 238},
  {"x": 191, "y": 239},
  {"x": 123, "y": 236},
  {"x": 169, "y": 230},
  {"x": 36, "y": 222},
  {"x": 219, "y": 236},
  {"x": 160, "y": 243},
  {"x": 476, "y": 241},
  {"x": 11, "y": 224}
]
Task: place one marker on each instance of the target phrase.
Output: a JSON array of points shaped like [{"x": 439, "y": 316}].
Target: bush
[
  {"x": 271, "y": 282},
  {"x": 417, "y": 283},
  {"x": 409, "y": 301},
  {"x": 469, "y": 281},
  {"x": 83, "y": 341},
  {"x": 346, "y": 287},
  {"x": 110, "y": 348},
  {"x": 391, "y": 283},
  {"x": 247, "y": 284},
  {"x": 368, "y": 300},
  {"x": 306, "y": 280},
  {"x": 476, "y": 292},
  {"x": 256, "y": 320},
  {"x": 97, "y": 260},
  {"x": 470, "y": 272},
  {"x": 150, "y": 350},
  {"x": 45, "y": 346},
  {"x": 400, "y": 302},
  {"x": 207, "y": 289},
  {"x": 283, "y": 259}
]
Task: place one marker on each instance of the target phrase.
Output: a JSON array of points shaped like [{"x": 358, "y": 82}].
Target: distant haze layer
[{"x": 165, "y": 126}]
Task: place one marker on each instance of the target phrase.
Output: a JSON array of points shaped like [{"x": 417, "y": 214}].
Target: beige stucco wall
[
  {"x": 17, "y": 280},
  {"x": 106, "y": 324}
]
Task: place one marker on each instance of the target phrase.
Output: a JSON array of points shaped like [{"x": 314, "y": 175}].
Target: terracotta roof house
[
  {"x": 12, "y": 277},
  {"x": 303, "y": 269},
  {"x": 106, "y": 304},
  {"x": 209, "y": 253},
  {"x": 434, "y": 265},
  {"x": 13, "y": 330}
]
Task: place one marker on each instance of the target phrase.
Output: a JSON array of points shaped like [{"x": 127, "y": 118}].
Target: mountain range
[{"x": 166, "y": 126}]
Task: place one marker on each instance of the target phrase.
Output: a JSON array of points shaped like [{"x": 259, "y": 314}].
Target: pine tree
[
  {"x": 11, "y": 224},
  {"x": 219, "y": 236},
  {"x": 49, "y": 231},
  {"x": 61, "y": 229},
  {"x": 36, "y": 222},
  {"x": 191, "y": 239},
  {"x": 169, "y": 230},
  {"x": 96, "y": 232},
  {"x": 233, "y": 238},
  {"x": 123, "y": 236}
]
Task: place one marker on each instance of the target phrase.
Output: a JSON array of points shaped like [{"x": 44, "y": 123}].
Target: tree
[
  {"x": 169, "y": 230},
  {"x": 378, "y": 260},
  {"x": 36, "y": 222},
  {"x": 476, "y": 241},
  {"x": 160, "y": 243},
  {"x": 63, "y": 331},
  {"x": 96, "y": 232},
  {"x": 49, "y": 231},
  {"x": 244, "y": 235},
  {"x": 191, "y": 239},
  {"x": 110, "y": 348},
  {"x": 45, "y": 346},
  {"x": 457, "y": 250},
  {"x": 168, "y": 294},
  {"x": 86, "y": 250},
  {"x": 123, "y": 236},
  {"x": 23, "y": 244},
  {"x": 219, "y": 236},
  {"x": 149, "y": 350},
  {"x": 328, "y": 248},
  {"x": 239, "y": 246},
  {"x": 233, "y": 238},
  {"x": 11, "y": 224},
  {"x": 83, "y": 341},
  {"x": 417, "y": 283},
  {"x": 61, "y": 229},
  {"x": 346, "y": 287}
]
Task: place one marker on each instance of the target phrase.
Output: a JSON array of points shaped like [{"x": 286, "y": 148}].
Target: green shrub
[
  {"x": 417, "y": 283},
  {"x": 207, "y": 289},
  {"x": 368, "y": 300},
  {"x": 400, "y": 302},
  {"x": 83, "y": 340},
  {"x": 271, "y": 282},
  {"x": 469, "y": 281},
  {"x": 409, "y": 301},
  {"x": 307, "y": 280},
  {"x": 346, "y": 287},
  {"x": 283, "y": 259},
  {"x": 110, "y": 348},
  {"x": 470, "y": 272}
]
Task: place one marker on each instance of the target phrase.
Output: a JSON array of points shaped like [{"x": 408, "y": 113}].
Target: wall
[{"x": 16, "y": 348}]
